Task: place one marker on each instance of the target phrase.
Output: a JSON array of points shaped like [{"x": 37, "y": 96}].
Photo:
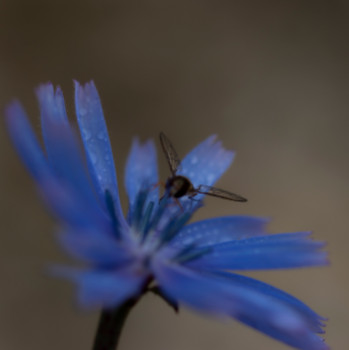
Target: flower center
[{"x": 154, "y": 226}]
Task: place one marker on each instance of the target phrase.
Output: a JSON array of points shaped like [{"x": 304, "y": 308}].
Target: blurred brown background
[{"x": 269, "y": 77}]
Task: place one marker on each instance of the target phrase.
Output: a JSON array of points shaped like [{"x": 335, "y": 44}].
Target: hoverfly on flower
[
  {"x": 178, "y": 186},
  {"x": 154, "y": 247}
]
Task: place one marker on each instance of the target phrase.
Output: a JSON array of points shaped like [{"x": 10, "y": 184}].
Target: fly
[{"x": 179, "y": 186}]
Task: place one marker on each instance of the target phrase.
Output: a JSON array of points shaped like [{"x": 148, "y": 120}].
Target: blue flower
[{"x": 191, "y": 264}]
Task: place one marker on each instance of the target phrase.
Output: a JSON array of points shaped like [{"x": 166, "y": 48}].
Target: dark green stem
[{"x": 110, "y": 326}]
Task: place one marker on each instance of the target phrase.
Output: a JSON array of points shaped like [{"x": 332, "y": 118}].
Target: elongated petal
[
  {"x": 52, "y": 111},
  {"x": 97, "y": 145},
  {"x": 314, "y": 319},
  {"x": 25, "y": 141},
  {"x": 68, "y": 165},
  {"x": 142, "y": 172},
  {"x": 270, "y": 313},
  {"x": 218, "y": 230},
  {"x": 308, "y": 339},
  {"x": 71, "y": 208},
  {"x": 95, "y": 247},
  {"x": 206, "y": 163},
  {"x": 104, "y": 289},
  {"x": 286, "y": 250},
  {"x": 61, "y": 144},
  {"x": 63, "y": 201}
]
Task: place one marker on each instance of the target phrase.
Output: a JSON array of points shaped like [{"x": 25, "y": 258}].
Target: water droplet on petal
[
  {"x": 210, "y": 178},
  {"x": 94, "y": 158},
  {"x": 86, "y": 134},
  {"x": 100, "y": 135},
  {"x": 194, "y": 160},
  {"x": 82, "y": 111}
]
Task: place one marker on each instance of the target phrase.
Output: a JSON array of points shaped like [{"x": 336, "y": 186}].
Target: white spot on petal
[
  {"x": 101, "y": 136},
  {"x": 194, "y": 160},
  {"x": 94, "y": 158},
  {"x": 86, "y": 133},
  {"x": 82, "y": 111}
]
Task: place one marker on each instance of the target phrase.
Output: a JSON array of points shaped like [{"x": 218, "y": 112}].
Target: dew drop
[
  {"x": 210, "y": 178},
  {"x": 94, "y": 158},
  {"x": 187, "y": 241},
  {"x": 82, "y": 111},
  {"x": 100, "y": 135},
  {"x": 194, "y": 160},
  {"x": 87, "y": 134}
]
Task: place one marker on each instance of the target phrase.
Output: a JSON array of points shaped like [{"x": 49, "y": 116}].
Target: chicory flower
[{"x": 153, "y": 245}]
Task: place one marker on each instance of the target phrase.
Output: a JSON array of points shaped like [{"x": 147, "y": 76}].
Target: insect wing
[
  {"x": 217, "y": 192},
  {"x": 170, "y": 153}
]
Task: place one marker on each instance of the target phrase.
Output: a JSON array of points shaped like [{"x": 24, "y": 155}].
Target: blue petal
[
  {"x": 71, "y": 208},
  {"x": 51, "y": 103},
  {"x": 25, "y": 141},
  {"x": 104, "y": 289},
  {"x": 62, "y": 146},
  {"x": 97, "y": 145},
  {"x": 315, "y": 322},
  {"x": 142, "y": 172},
  {"x": 52, "y": 110},
  {"x": 287, "y": 250},
  {"x": 64, "y": 200},
  {"x": 314, "y": 319},
  {"x": 218, "y": 230},
  {"x": 95, "y": 247},
  {"x": 68, "y": 165},
  {"x": 206, "y": 163},
  {"x": 269, "y": 312}
]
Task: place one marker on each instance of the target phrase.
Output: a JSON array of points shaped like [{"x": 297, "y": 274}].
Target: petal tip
[
  {"x": 44, "y": 90},
  {"x": 12, "y": 108}
]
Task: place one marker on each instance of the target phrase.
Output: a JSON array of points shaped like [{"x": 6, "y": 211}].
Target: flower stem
[{"x": 110, "y": 326}]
